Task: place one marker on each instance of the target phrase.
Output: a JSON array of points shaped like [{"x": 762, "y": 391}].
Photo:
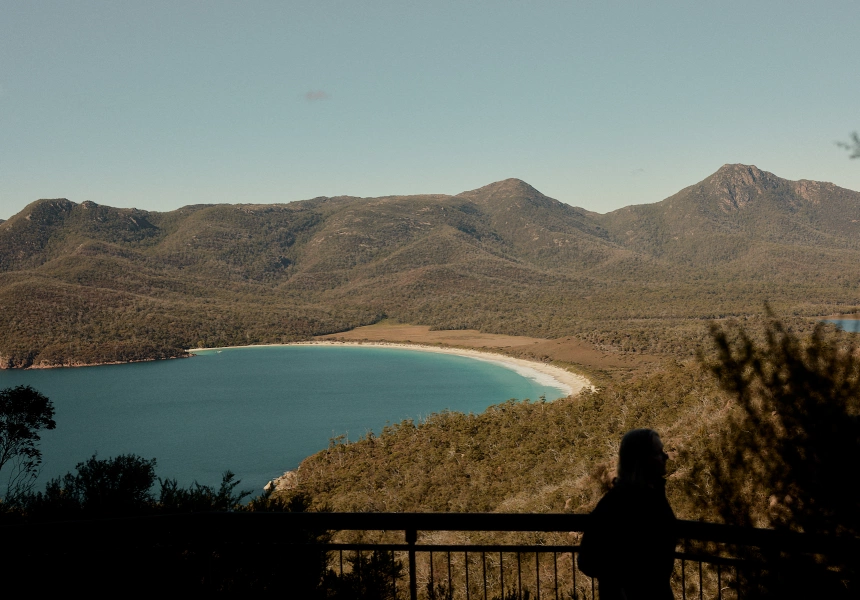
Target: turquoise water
[
  {"x": 852, "y": 325},
  {"x": 255, "y": 411}
]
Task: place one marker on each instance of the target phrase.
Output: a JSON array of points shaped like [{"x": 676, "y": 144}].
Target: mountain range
[{"x": 87, "y": 283}]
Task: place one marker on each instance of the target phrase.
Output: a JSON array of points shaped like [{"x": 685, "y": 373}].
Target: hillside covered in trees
[
  {"x": 762, "y": 430},
  {"x": 87, "y": 283}
]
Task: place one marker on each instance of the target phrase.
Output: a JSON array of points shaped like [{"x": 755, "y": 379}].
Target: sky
[{"x": 157, "y": 105}]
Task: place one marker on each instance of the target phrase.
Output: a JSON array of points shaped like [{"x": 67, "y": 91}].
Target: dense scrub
[
  {"x": 528, "y": 456},
  {"x": 771, "y": 446}
]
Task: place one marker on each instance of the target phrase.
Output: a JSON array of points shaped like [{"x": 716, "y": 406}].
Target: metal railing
[
  {"x": 466, "y": 555},
  {"x": 712, "y": 560}
]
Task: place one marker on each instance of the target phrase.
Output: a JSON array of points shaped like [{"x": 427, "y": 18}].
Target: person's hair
[{"x": 634, "y": 455}]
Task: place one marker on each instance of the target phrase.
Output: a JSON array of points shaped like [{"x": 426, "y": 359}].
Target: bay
[
  {"x": 256, "y": 411},
  {"x": 852, "y": 325}
]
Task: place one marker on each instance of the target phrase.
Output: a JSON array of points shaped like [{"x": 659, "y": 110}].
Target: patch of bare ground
[{"x": 568, "y": 350}]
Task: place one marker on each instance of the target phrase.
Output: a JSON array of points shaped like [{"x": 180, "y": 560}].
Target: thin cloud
[{"x": 316, "y": 95}]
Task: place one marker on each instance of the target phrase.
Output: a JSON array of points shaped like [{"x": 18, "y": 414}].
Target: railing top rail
[{"x": 269, "y": 524}]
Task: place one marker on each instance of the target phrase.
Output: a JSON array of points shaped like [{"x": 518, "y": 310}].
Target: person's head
[{"x": 641, "y": 459}]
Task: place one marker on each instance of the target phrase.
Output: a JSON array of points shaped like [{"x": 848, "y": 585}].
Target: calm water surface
[
  {"x": 847, "y": 324},
  {"x": 255, "y": 411}
]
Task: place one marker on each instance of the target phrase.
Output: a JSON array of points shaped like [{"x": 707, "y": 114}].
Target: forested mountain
[{"x": 90, "y": 283}]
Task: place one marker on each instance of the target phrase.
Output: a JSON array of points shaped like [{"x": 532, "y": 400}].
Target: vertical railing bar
[
  {"x": 519, "y": 574},
  {"x": 537, "y": 575},
  {"x": 484, "y": 572},
  {"x": 701, "y": 589},
  {"x": 411, "y": 539},
  {"x": 683, "y": 580},
  {"x": 466, "y": 564},
  {"x": 719, "y": 583},
  {"x": 573, "y": 570},
  {"x": 592, "y": 588},
  {"x": 432, "y": 583},
  {"x": 394, "y": 574},
  {"x": 501, "y": 576},
  {"x": 450, "y": 586},
  {"x": 738, "y": 581},
  {"x": 555, "y": 572},
  {"x": 683, "y": 566}
]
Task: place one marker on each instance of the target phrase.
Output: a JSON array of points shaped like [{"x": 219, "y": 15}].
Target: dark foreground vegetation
[
  {"x": 763, "y": 430},
  {"x": 102, "y": 529}
]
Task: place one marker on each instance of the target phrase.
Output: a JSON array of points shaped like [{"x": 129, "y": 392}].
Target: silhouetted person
[{"x": 629, "y": 544}]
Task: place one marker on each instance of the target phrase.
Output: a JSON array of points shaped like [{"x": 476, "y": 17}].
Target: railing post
[{"x": 411, "y": 538}]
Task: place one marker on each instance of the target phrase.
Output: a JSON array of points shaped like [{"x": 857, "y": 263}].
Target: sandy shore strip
[{"x": 549, "y": 375}]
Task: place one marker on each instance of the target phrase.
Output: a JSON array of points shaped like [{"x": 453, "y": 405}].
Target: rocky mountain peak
[
  {"x": 508, "y": 193},
  {"x": 45, "y": 211},
  {"x": 507, "y": 188},
  {"x": 736, "y": 186}
]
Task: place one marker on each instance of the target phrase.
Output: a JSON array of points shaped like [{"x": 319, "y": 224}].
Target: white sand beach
[{"x": 548, "y": 375}]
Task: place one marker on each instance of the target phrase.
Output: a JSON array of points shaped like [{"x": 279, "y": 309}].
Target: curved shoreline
[{"x": 549, "y": 375}]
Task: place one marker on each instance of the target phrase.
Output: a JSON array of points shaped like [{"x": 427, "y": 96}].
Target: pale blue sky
[{"x": 598, "y": 104}]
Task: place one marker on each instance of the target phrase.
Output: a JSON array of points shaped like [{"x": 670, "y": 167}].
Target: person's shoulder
[
  {"x": 628, "y": 500},
  {"x": 616, "y": 496},
  {"x": 621, "y": 492}
]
